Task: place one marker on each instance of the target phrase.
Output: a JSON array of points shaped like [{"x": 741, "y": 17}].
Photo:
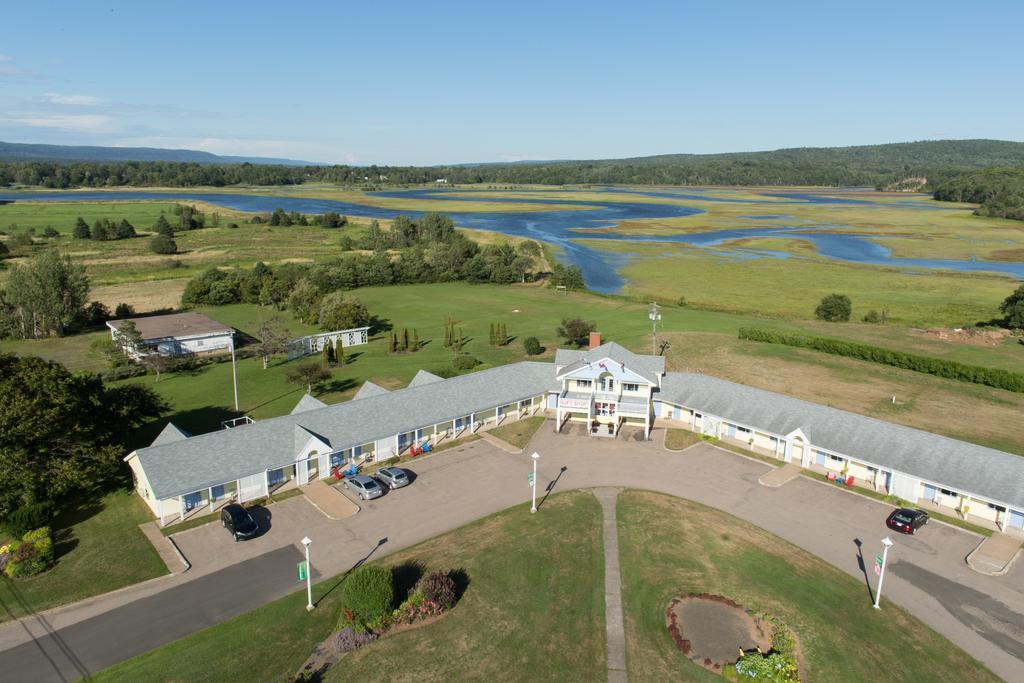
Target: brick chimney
[{"x": 595, "y": 340}]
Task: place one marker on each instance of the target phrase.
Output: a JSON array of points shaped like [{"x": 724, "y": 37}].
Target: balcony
[{"x": 634, "y": 406}]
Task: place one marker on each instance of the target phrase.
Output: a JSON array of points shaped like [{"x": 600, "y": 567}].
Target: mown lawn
[
  {"x": 533, "y": 608},
  {"x": 669, "y": 546},
  {"x": 520, "y": 432},
  {"x": 99, "y": 548},
  {"x": 678, "y": 439}
]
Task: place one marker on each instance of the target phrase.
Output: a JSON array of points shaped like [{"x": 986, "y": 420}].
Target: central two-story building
[{"x": 605, "y": 388}]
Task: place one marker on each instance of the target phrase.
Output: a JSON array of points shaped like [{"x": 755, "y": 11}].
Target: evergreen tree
[
  {"x": 415, "y": 340},
  {"x": 405, "y": 338},
  {"x": 493, "y": 336},
  {"x": 162, "y": 227},
  {"x": 340, "y": 353},
  {"x": 447, "y": 335},
  {"x": 81, "y": 230},
  {"x": 327, "y": 353}
]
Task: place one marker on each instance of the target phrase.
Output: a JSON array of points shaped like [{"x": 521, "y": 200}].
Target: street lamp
[
  {"x": 306, "y": 542},
  {"x": 533, "y": 481},
  {"x": 886, "y": 544}
]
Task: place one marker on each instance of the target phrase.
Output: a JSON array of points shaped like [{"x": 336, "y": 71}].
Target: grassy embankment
[
  {"x": 534, "y": 605},
  {"x": 670, "y": 546},
  {"x": 98, "y": 547}
]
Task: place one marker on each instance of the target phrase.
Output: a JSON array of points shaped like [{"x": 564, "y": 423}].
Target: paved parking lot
[{"x": 982, "y": 614}]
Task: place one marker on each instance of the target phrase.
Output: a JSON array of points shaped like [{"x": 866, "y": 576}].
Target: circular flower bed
[{"x": 720, "y": 635}]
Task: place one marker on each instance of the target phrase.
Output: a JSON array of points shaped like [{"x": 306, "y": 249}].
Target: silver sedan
[
  {"x": 393, "y": 477},
  {"x": 366, "y": 487}
]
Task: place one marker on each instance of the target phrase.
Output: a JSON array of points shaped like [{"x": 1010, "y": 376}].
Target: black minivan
[{"x": 238, "y": 521}]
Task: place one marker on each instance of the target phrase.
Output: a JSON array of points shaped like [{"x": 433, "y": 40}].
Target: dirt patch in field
[
  {"x": 963, "y": 335},
  {"x": 144, "y": 296},
  {"x": 196, "y": 255},
  {"x": 712, "y": 630},
  {"x": 1011, "y": 255}
]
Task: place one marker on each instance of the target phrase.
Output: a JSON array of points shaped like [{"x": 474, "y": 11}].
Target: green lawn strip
[
  {"x": 669, "y": 546},
  {"x": 896, "y": 502},
  {"x": 99, "y": 548},
  {"x": 201, "y": 520},
  {"x": 534, "y": 608},
  {"x": 680, "y": 439},
  {"x": 520, "y": 432}
]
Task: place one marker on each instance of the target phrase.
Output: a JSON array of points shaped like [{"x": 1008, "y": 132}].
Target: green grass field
[
  {"x": 520, "y": 432},
  {"x": 671, "y": 547},
  {"x": 534, "y": 606},
  {"x": 98, "y": 547}
]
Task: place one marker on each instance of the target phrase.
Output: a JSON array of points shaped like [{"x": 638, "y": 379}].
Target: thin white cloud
[
  {"x": 6, "y": 58},
  {"x": 78, "y": 100},
  {"x": 79, "y": 123}
]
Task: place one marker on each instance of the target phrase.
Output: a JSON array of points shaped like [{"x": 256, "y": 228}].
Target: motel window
[
  {"x": 835, "y": 458},
  {"x": 947, "y": 492},
  {"x": 631, "y": 387},
  {"x": 997, "y": 508},
  {"x": 583, "y": 383}
]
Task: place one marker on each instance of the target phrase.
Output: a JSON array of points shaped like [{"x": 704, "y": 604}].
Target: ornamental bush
[
  {"x": 33, "y": 554},
  {"x": 368, "y": 593},
  {"x": 28, "y": 517},
  {"x": 464, "y": 361},
  {"x": 532, "y": 346},
  {"x": 835, "y": 308},
  {"x": 439, "y": 588},
  {"x": 347, "y": 639}
]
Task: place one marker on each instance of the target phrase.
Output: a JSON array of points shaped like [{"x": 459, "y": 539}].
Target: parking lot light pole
[
  {"x": 886, "y": 544},
  {"x": 306, "y": 541},
  {"x": 536, "y": 457}
]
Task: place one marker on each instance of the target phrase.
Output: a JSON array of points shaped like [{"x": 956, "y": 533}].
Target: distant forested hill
[
  {"x": 874, "y": 165},
  {"x": 1000, "y": 191},
  {"x": 16, "y": 151}
]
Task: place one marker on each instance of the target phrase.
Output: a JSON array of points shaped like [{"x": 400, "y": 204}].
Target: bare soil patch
[
  {"x": 143, "y": 296},
  {"x": 964, "y": 335},
  {"x": 712, "y": 630}
]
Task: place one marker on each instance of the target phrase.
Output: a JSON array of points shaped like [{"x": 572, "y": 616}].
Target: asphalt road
[{"x": 88, "y": 646}]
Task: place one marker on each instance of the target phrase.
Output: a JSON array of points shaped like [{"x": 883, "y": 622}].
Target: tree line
[
  {"x": 868, "y": 165},
  {"x": 999, "y": 191}
]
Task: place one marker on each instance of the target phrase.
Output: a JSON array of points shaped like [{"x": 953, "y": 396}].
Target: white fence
[{"x": 314, "y": 343}]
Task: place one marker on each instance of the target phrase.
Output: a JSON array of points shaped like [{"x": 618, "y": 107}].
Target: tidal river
[{"x": 563, "y": 228}]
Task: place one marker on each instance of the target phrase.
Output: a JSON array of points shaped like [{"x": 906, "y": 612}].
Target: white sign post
[
  {"x": 886, "y": 544},
  {"x": 533, "y": 482},
  {"x": 306, "y": 541}
]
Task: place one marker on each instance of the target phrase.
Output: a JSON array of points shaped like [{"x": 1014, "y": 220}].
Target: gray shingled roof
[
  {"x": 954, "y": 464},
  {"x": 307, "y": 402},
  {"x": 650, "y": 367},
  {"x": 211, "y": 459},
  {"x": 423, "y": 377},
  {"x": 170, "y": 434},
  {"x": 369, "y": 389}
]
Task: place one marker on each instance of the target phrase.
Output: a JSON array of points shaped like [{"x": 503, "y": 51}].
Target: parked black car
[
  {"x": 906, "y": 521},
  {"x": 239, "y": 522}
]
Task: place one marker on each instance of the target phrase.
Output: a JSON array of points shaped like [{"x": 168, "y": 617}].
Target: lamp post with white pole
[
  {"x": 306, "y": 542},
  {"x": 234, "y": 372},
  {"x": 533, "y": 482},
  {"x": 886, "y": 544}
]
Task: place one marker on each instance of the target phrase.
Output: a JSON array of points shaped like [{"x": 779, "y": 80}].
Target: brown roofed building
[{"x": 180, "y": 334}]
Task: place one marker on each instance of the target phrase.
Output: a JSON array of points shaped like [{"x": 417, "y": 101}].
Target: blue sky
[{"x": 448, "y": 82}]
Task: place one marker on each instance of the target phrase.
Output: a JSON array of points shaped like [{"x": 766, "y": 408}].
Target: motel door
[
  {"x": 193, "y": 500},
  {"x": 1016, "y": 519}
]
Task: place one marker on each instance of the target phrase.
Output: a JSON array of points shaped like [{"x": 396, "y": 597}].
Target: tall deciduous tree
[
  {"x": 47, "y": 294},
  {"x": 61, "y": 432},
  {"x": 271, "y": 339},
  {"x": 309, "y": 374},
  {"x": 1013, "y": 308},
  {"x": 575, "y": 331},
  {"x": 340, "y": 312}
]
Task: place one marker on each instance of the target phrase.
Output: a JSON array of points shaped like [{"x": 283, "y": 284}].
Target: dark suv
[
  {"x": 907, "y": 521},
  {"x": 238, "y": 521}
]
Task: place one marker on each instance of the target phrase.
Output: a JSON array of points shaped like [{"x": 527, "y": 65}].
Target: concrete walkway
[
  {"x": 615, "y": 634},
  {"x": 782, "y": 475},
  {"x": 329, "y": 500},
  {"x": 995, "y": 554},
  {"x": 499, "y": 443},
  {"x": 165, "y": 548}
]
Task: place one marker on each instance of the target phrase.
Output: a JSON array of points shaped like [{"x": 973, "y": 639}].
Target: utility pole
[
  {"x": 234, "y": 373},
  {"x": 533, "y": 482},
  {"x": 654, "y": 317}
]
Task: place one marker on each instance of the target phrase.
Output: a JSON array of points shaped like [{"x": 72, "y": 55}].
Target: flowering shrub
[
  {"x": 348, "y": 639},
  {"x": 772, "y": 667},
  {"x": 33, "y": 554}
]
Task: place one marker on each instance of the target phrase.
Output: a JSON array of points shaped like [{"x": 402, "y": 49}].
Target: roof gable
[
  {"x": 369, "y": 389},
  {"x": 423, "y": 377},
  {"x": 592, "y": 369},
  {"x": 169, "y": 434},
  {"x": 307, "y": 402}
]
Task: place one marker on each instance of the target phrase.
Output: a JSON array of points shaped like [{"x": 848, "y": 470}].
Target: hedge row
[{"x": 993, "y": 377}]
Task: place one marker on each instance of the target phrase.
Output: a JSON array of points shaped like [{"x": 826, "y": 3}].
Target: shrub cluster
[
  {"x": 31, "y": 555},
  {"x": 993, "y": 377},
  {"x": 29, "y": 517},
  {"x": 367, "y": 595}
]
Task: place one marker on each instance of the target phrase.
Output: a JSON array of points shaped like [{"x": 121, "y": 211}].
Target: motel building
[{"x": 605, "y": 391}]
